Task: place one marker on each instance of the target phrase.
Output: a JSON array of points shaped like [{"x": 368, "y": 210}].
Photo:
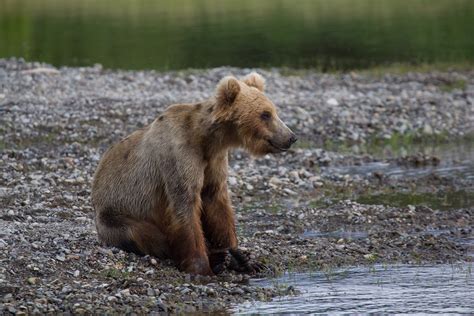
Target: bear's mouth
[{"x": 275, "y": 146}]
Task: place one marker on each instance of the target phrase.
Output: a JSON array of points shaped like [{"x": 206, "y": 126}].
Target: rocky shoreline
[{"x": 294, "y": 212}]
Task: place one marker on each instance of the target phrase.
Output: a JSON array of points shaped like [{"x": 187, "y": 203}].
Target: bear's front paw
[
  {"x": 235, "y": 260},
  {"x": 219, "y": 260},
  {"x": 241, "y": 262}
]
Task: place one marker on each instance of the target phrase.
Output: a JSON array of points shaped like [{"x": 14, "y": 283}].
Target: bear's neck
[{"x": 216, "y": 137}]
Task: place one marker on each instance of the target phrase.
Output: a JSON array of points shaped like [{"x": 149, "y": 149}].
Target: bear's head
[{"x": 253, "y": 118}]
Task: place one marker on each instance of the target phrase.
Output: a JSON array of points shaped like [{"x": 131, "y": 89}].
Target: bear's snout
[
  {"x": 292, "y": 140},
  {"x": 284, "y": 137},
  {"x": 283, "y": 141}
]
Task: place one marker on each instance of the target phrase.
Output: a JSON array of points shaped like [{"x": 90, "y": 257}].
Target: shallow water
[
  {"x": 403, "y": 289},
  {"x": 463, "y": 169},
  {"x": 378, "y": 289},
  {"x": 456, "y": 159},
  {"x": 178, "y": 34}
]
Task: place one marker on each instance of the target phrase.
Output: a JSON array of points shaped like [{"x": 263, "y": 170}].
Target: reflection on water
[
  {"x": 378, "y": 289},
  {"x": 456, "y": 162},
  {"x": 177, "y": 34},
  {"x": 464, "y": 169},
  {"x": 456, "y": 159}
]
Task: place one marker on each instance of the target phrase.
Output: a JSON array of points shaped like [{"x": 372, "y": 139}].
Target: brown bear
[{"x": 162, "y": 190}]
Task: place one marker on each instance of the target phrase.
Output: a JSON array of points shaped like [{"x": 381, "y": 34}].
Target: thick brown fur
[{"x": 162, "y": 190}]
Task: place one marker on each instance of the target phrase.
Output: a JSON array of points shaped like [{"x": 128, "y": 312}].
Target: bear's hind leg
[
  {"x": 149, "y": 239},
  {"x": 140, "y": 237}
]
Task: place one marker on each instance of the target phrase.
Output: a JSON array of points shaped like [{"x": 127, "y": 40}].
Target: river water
[
  {"x": 180, "y": 34},
  {"x": 456, "y": 159},
  {"x": 394, "y": 289}
]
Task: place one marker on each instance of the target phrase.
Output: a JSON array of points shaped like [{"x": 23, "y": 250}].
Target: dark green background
[{"x": 325, "y": 34}]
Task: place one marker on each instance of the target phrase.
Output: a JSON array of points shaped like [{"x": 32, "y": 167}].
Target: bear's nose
[{"x": 293, "y": 139}]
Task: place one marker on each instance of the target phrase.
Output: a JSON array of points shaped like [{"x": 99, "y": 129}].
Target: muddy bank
[{"x": 297, "y": 211}]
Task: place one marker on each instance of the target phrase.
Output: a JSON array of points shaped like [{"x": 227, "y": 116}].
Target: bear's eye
[{"x": 266, "y": 116}]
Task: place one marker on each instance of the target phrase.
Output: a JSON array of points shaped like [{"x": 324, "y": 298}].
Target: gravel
[{"x": 56, "y": 123}]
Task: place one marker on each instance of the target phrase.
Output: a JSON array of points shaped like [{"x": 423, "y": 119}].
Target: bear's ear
[
  {"x": 254, "y": 80},
  {"x": 227, "y": 90}
]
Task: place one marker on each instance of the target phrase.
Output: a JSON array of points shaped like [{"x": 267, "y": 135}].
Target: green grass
[
  {"x": 405, "y": 68},
  {"x": 414, "y": 141},
  {"x": 114, "y": 273},
  {"x": 43, "y": 138},
  {"x": 304, "y": 144},
  {"x": 441, "y": 201},
  {"x": 451, "y": 86},
  {"x": 274, "y": 208},
  {"x": 392, "y": 69}
]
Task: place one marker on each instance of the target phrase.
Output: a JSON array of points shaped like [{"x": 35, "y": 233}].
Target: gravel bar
[{"x": 56, "y": 123}]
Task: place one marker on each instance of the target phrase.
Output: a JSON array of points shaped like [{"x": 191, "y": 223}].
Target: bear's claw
[
  {"x": 241, "y": 262},
  {"x": 218, "y": 261},
  {"x": 235, "y": 260}
]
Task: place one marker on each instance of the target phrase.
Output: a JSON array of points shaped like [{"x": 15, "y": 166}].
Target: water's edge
[{"x": 379, "y": 288}]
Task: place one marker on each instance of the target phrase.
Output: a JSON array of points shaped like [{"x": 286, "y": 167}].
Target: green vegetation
[
  {"x": 332, "y": 194},
  {"x": 303, "y": 144},
  {"x": 385, "y": 35},
  {"x": 394, "y": 68},
  {"x": 399, "y": 144},
  {"x": 401, "y": 68},
  {"x": 459, "y": 84},
  {"x": 377, "y": 144},
  {"x": 115, "y": 273},
  {"x": 274, "y": 208},
  {"x": 44, "y": 138}
]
